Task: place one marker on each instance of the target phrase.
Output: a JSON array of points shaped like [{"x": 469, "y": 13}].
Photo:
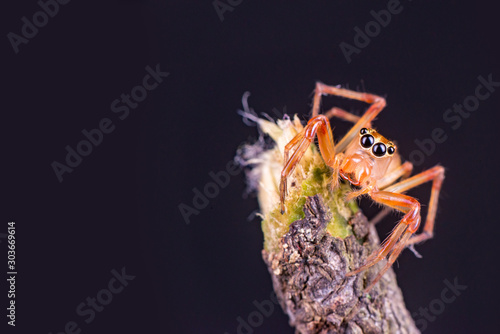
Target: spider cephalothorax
[{"x": 367, "y": 158}]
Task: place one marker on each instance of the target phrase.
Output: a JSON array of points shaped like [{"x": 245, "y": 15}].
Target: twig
[{"x": 308, "y": 273}]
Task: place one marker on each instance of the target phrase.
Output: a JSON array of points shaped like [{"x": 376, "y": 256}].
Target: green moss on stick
[{"x": 317, "y": 180}]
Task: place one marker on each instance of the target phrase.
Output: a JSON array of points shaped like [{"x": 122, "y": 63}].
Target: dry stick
[{"x": 308, "y": 274}]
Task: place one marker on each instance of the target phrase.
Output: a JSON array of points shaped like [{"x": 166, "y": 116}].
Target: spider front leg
[
  {"x": 403, "y": 172},
  {"x": 436, "y": 175},
  {"x": 377, "y": 104},
  {"x": 401, "y": 235},
  {"x": 320, "y": 126},
  {"x": 335, "y": 173}
]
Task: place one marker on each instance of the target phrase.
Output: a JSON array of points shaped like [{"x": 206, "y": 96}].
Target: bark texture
[{"x": 308, "y": 274}]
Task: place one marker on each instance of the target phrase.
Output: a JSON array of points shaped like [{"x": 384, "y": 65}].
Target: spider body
[{"x": 369, "y": 161}]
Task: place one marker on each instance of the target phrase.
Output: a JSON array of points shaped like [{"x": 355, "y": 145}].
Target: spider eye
[
  {"x": 391, "y": 150},
  {"x": 363, "y": 131},
  {"x": 379, "y": 150},
  {"x": 367, "y": 141}
]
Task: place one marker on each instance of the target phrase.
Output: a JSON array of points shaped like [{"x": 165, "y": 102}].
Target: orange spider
[{"x": 369, "y": 161}]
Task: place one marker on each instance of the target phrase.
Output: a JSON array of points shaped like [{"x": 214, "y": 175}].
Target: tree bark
[{"x": 308, "y": 273}]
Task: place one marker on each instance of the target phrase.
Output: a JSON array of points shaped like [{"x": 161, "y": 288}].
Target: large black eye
[
  {"x": 363, "y": 131},
  {"x": 367, "y": 141},
  {"x": 379, "y": 149},
  {"x": 391, "y": 150}
]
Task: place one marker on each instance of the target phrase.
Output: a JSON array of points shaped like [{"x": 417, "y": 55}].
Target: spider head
[{"x": 367, "y": 157}]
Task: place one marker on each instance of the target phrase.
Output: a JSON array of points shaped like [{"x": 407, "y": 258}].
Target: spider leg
[
  {"x": 349, "y": 117},
  {"x": 436, "y": 175},
  {"x": 319, "y": 126},
  {"x": 402, "y": 234},
  {"x": 399, "y": 237},
  {"x": 379, "y": 216},
  {"x": 344, "y": 115},
  {"x": 398, "y": 248},
  {"x": 402, "y": 171},
  {"x": 292, "y": 144},
  {"x": 377, "y": 104}
]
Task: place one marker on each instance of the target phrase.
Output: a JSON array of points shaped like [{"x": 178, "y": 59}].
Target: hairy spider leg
[
  {"x": 436, "y": 175},
  {"x": 400, "y": 236},
  {"x": 396, "y": 242},
  {"x": 377, "y": 104},
  {"x": 342, "y": 114},
  {"x": 402, "y": 172},
  {"x": 319, "y": 125}
]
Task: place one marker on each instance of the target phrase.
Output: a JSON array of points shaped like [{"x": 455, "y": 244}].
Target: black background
[{"x": 119, "y": 207}]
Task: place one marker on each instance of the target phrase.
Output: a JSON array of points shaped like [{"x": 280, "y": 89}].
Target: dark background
[{"x": 120, "y": 206}]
